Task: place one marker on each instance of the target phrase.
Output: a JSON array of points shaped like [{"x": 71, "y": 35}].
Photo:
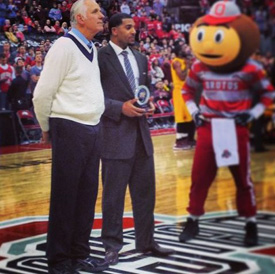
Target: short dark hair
[
  {"x": 18, "y": 70},
  {"x": 116, "y": 20}
]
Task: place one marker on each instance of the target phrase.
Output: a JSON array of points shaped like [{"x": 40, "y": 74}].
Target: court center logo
[{"x": 217, "y": 249}]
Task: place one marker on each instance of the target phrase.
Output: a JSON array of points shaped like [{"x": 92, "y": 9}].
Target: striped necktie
[{"x": 129, "y": 70}]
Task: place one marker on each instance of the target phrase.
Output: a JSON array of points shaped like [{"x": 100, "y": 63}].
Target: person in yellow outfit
[{"x": 185, "y": 127}]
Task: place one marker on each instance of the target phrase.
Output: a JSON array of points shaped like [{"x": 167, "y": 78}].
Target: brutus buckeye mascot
[{"x": 223, "y": 42}]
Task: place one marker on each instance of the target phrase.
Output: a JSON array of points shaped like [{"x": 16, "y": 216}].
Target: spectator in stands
[
  {"x": 156, "y": 72},
  {"x": 161, "y": 93},
  {"x": 3, "y": 12},
  {"x": 40, "y": 15},
  {"x": 27, "y": 20},
  {"x": 7, "y": 25},
  {"x": 36, "y": 71},
  {"x": 16, "y": 94},
  {"x": 64, "y": 29},
  {"x": 48, "y": 28},
  {"x": 158, "y": 7},
  {"x": 6, "y": 76},
  {"x": 11, "y": 36},
  {"x": 11, "y": 12},
  {"x": 68, "y": 102},
  {"x": 20, "y": 62},
  {"x": 124, "y": 8},
  {"x": 22, "y": 52},
  {"x": 166, "y": 68},
  {"x": 55, "y": 12},
  {"x": 7, "y": 52},
  {"x": 19, "y": 34},
  {"x": 57, "y": 26},
  {"x": 65, "y": 12}
]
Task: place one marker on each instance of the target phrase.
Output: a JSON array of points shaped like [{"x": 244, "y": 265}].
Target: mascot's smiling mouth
[{"x": 211, "y": 56}]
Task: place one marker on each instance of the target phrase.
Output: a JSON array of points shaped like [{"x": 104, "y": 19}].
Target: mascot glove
[
  {"x": 243, "y": 119},
  {"x": 198, "y": 119}
]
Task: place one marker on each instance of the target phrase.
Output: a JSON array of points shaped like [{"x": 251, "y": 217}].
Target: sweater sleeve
[{"x": 56, "y": 67}]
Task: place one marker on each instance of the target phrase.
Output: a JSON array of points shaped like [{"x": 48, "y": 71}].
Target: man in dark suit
[{"x": 126, "y": 145}]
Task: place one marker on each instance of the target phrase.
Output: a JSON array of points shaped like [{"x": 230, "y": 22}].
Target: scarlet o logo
[{"x": 219, "y": 9}]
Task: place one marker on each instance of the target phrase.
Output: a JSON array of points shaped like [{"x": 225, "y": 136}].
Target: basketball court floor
[{"x": 24, "y": 203}]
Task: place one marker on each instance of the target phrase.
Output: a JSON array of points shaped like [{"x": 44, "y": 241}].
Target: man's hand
[
  {"x": 243, "y": 119},
  {"x": 198, "y": 119},
  {"x": 130, "y": 110},
  {"x": 46, "y": 137}
]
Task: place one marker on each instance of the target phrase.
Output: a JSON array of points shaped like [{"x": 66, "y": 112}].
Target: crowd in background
[{"x": 23, "y": 21}]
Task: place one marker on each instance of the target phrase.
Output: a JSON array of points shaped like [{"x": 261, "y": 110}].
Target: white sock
[
  {"x": 181, "y": 135},
  {"x": 194, "y": 217},
  {"x": 251, "y": 219}
]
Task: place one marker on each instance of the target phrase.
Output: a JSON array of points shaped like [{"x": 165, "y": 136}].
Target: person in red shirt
[{"x": 6, "y": 76}]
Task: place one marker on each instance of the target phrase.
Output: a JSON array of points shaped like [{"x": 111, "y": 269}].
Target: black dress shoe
[
  {"x": 111, "y": 257},
  {"x": 89, "y": 265},
  {"x": 157, "y": 250}
]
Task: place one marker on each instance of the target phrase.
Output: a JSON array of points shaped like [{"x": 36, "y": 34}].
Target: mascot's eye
[
  {"x": 200, "y": 35},
  {"x": 218, "y": 37}
]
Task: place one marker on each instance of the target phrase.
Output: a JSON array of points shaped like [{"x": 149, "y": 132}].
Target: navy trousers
[{"x": 74, "y": 187}]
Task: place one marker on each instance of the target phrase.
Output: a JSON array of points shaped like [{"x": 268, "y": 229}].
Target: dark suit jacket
[{"x": 118, "y": 132}]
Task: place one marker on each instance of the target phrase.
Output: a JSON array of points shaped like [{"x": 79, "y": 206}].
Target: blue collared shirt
[{"x": 79, "y": 35}]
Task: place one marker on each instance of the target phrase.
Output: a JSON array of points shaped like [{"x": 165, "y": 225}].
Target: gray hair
[{"x": 79, "y": 7}]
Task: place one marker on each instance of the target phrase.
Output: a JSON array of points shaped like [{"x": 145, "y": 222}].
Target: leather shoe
[
  {"x": 157, "y": 250},
  {"x": 111, "y": 257},
  {"x": 89, "y": 265}
]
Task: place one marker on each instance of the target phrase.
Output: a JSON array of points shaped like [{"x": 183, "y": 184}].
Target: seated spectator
[
  {"x": 19, "y": 34},
  {"x": 57, "y": 26},
  {"x": 40, "y": 15},
  {"x": 124, "y": 8},
  {"x": 161, "y": 92},
  {"x": 156, "y": 72},
  {"x": 11, "y": 36},
  {"x": 55, "y": 13},
  {"x": 65, "y": 11},
  {"x": 64, "y": 29},
  {"x": 7, "y": 25},
  {"x": 11, "y": 12},
  {"x": 27, "y": 20},
  {"x": 48, "y": 28}
]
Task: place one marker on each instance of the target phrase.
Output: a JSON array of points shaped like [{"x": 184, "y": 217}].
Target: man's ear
[
  {"x": 80, "y": 19},
  {"x": 114, "y": 31}
]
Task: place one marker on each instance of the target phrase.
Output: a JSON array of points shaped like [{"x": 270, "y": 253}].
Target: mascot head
[{"x": 224, "y": 39}]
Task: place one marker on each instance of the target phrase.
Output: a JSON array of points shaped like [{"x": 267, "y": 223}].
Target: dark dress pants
[
  {"x": 138, "y": 173},
  {"x": 74, "y": 187}
]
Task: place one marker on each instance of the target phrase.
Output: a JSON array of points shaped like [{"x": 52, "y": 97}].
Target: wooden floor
[{"x": 25, "y": 182}]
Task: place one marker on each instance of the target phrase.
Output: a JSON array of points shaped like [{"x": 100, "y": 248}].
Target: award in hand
[{"x": 142, "y": 94}]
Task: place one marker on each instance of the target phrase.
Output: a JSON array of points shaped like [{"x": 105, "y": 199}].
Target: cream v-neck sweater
[{"x": 69, "y": 86}]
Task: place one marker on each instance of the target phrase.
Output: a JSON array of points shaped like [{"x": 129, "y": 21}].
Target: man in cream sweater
[{"x": 68, "y": 102}]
